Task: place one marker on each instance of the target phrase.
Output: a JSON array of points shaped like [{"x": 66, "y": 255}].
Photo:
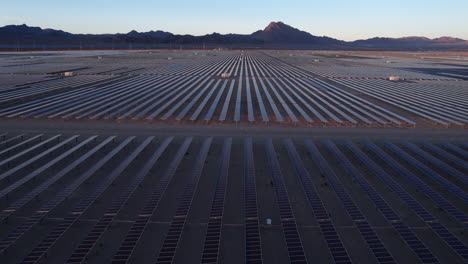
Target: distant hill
[
  {"x": 276, "y": 35},
  {"x": 411, "y": 43},
  {"x": 25, "y": 35}
]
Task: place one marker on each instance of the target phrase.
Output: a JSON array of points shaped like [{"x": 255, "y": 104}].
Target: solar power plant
[
  {"x": 233, "y": 156},
  {"x": 260, "y": 90}
]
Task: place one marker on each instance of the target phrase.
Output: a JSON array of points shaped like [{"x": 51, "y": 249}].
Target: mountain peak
[
  {"x": 276, "y": 25},
  {"x": 281, "y": 33}
]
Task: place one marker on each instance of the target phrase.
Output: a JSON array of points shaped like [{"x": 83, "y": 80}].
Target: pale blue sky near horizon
[{"x": 341, "y": 19}]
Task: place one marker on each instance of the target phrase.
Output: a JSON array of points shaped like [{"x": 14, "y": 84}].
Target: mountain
[
  {"x": 275, "y": 35},
  {"x": 13, "y": 33},
  {"x": 25, "y": 35},
  {"x": 449, "y": 40},
  {"x": 154, "y": 34},
  {"x": 411, "y": 43},
  {"x": 280, "y": 33},
  {"x": 212, "y": 39}
]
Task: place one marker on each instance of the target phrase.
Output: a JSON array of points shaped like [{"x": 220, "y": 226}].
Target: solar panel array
[
  {"x": 368, "y": 71},
  {"x": 260, "y": 90},
  {"x": 243, "y": 192},
  {"x": 82, "y": 188},
  {"x": 436, "y": 103}
]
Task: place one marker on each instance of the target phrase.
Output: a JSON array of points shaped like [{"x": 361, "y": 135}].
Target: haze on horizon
[{"x": 341, "y": 19}]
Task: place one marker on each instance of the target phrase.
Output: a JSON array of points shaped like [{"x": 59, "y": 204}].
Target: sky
[{"x": 341, "y": 19}]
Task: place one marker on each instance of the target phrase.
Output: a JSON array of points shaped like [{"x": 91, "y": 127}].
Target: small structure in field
[
  {"x": 316, "y": 60},
  {"x": 68, "y": 74},
  {"x": 388, "y": 62},
  {"x": 169, "y": 58},
  {"x": 99, "y": 58},
  {"x": 225, "y": 75},
  {"x": 393, "y": 78}
]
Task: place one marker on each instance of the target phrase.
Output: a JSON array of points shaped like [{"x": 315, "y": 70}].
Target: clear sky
[{"x": 342, "y": 19}]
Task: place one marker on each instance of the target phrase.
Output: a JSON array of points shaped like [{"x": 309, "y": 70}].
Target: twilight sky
[{"x": 342, "y": 19}]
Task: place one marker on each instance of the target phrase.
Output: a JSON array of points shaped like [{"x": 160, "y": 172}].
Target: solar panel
[
  {"x": 333, "y": 240},
  {"x": 44, "y": 167},
  {"x": 37, "y": 157},
  {"x": 205, "y": 101},
  {"x": 100, "y": 227},
  {"x": 224, "y": 110},
  {"x": 213, "y": 106},
  {"x": 21, "y": 143},
  {"x": 253, "y": 251},
  {"x": 213, "y": 233},
  {"x": 185, "y": 81},
  {"x": 175, "y": 96},
  {"x": 426, "y": 189},
  {"x": 129, "y": 100},
  {"x": 172, "y": 237},
  {"x": 360, "y": 221},
  {"x": 299, "y": 86},
  {"x": 57, "y": 232},
  {"x": 418, "y": 247},
  {"x": 59, "y": 198},
  {"x": 167, "y": 86},
  {"x": 288, "y": 221},
  {"x": 132, "y": 238},
  {"x": 446, "y": 155},
  {"x": 261, "y": 105},
  {"x": 237, "y": 109},
  {"x": 436, "y": 162},
  {"x": 427, "y": 171},
  {"x": 16, "y": 205},
  {"x": 30, "y": 149},
  {"x": 195, "y": 100},
  {"x": 5, "y": 142},
  {"x": 276, "y": 111},
  {"x": 455, "y": 149}
]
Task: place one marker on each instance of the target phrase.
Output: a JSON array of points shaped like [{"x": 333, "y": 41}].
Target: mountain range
[{"x": 275, "y": 35}]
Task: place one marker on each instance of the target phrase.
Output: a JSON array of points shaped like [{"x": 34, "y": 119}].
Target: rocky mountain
[
  {"x": 280, "y": 33},
  {"x": 275, "y": 35}
]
